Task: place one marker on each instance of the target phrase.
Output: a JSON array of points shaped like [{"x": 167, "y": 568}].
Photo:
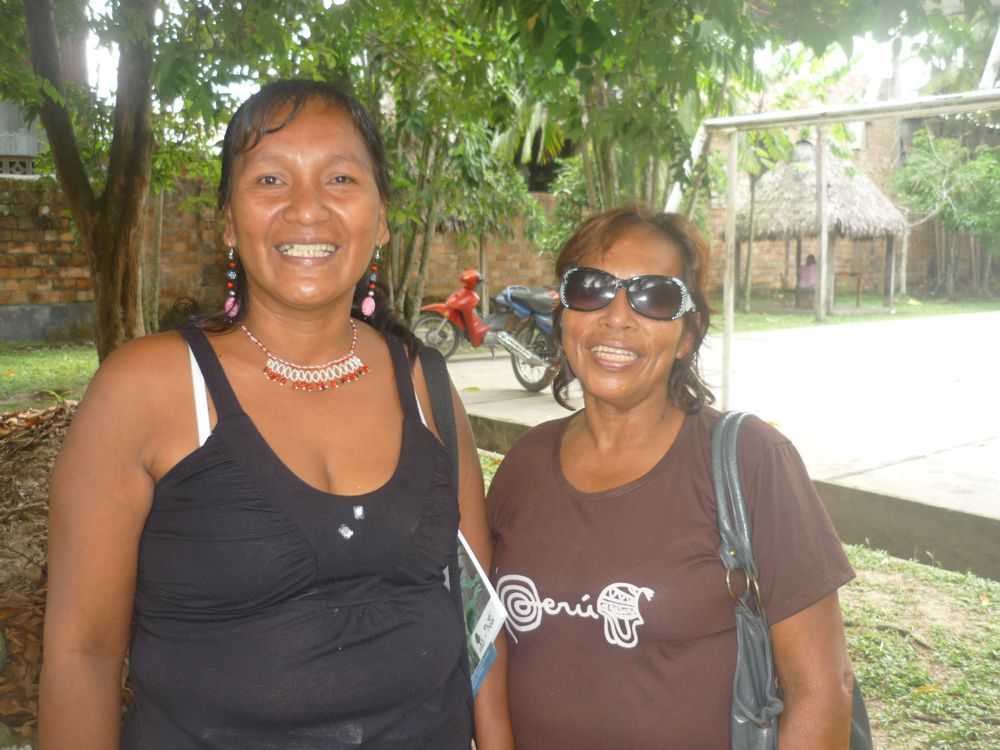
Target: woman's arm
[
  {"x": 100, "y": 496},
  {"x": 815, "y": 675},
  {"x": 493, "y": 730}
]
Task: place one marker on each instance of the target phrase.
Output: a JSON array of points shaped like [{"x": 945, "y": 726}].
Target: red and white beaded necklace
[{"x": 333, "y": 374}]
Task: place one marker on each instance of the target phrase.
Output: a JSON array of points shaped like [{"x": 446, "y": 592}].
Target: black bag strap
[{"x": 439, "y": 390}]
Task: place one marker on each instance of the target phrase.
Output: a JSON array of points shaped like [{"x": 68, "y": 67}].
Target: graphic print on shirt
[{"x": 618, "y": 605}]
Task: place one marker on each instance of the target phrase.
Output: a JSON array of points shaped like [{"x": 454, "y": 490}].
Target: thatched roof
[{"x": 785, "y": 201}]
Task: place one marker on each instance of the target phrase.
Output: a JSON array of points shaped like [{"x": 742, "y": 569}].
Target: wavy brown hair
[{"x": 685, "y": 388}]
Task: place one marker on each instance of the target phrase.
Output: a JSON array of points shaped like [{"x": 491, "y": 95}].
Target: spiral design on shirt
[{"x": 520, "y": 599}]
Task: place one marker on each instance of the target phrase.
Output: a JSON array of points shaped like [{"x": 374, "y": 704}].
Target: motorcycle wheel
[
  {"x": 533, "y": 338},
  {"x": 432, "y": 329}
]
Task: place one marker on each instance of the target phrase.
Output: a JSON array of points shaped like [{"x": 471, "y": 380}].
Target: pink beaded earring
[
  {"x": 368, "y": 303},
  {"x": 232, "y": 306}
]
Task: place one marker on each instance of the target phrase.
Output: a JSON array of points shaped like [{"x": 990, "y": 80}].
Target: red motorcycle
[
  {"x": 441, "y": 325},
  {"x": 521, "y": 323}
]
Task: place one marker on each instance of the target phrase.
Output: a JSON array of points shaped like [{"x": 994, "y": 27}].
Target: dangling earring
[
  {"x": 232, "y": 306},
  {"x": 368, "y": 303}
]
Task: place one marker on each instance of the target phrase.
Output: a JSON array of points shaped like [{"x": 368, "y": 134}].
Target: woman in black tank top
[{"x": 269, "y": 551}]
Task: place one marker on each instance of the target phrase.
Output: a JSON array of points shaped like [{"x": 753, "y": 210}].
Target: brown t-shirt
[{"x": 621, "y": 629}]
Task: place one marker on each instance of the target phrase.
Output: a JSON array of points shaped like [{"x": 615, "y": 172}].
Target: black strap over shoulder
[{"x": 439, "y": 390}]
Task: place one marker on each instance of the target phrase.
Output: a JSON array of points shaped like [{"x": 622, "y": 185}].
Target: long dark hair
[
  {"x": 685, "y": 388},
  {"x": 257, "y": 117}
]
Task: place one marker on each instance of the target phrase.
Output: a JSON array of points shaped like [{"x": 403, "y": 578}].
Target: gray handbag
[{"x": 756, "y": 693}]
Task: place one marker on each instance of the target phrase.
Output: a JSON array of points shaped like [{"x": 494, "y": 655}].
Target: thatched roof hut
[{"x": 785, "y": 201}]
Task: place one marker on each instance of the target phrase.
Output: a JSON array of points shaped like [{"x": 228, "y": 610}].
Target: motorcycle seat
[{"x": 537, "y": 299}]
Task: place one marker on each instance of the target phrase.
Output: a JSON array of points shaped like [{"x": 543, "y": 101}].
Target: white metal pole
[
  {"x": 729, "y": 279},
  {"x": 823, "y": 270},
  {"x": 990, "y": 69}
]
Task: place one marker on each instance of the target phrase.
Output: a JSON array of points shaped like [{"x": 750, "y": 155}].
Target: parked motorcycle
[
  {"x": 521, "y": 323},
  {"x": 532, "y": 348}
]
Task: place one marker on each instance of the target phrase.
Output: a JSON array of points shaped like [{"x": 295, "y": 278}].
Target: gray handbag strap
[{"x": 736, "y": 549}]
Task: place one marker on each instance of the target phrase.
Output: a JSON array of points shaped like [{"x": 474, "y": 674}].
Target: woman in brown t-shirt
[{"x": 621, "y": 629}]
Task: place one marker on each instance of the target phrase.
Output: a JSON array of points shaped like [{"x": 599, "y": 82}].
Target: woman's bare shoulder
[{"x": 139, "y": 373}]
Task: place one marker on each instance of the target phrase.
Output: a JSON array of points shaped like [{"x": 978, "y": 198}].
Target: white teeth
[
  {"x": 307, "y": 251},
  {"x": 610, "y": 352}
]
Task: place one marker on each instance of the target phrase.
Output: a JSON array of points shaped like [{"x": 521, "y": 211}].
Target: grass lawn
[
  {"x": 34, "y": 377},
  {"x": 767, "y": 314}
]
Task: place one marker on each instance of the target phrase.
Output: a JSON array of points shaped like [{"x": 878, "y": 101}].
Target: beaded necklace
[{"x": 333, "y": 374}]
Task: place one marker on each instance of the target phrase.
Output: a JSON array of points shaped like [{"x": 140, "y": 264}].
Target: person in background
[
  {"x": 268, "y": 548},
  {"x": 621, "y": 631},
  {"x": 807, "y": 274}
]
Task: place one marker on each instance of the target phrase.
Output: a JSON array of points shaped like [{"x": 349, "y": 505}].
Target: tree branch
[
  {"x": 132, "y": 142},
  {"x": 44, "y": 46}
]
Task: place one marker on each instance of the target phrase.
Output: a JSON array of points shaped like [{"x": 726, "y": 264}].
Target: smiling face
[
  {"x": 621, "y": 358},
  {"x": 304, "y": 211}
]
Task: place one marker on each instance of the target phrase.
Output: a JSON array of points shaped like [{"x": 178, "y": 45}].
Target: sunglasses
[{"x": 657, "y": 297}]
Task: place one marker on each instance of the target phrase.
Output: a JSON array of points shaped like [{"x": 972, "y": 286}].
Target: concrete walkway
[{"x": 898, "y": 422}]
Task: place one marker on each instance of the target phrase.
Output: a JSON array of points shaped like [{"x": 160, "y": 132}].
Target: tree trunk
[
  {"x": 949, "y": 281},
  {"x": 831, "y": 270},
  {"x": 601, "y": 171},
  {"x": 974, "y": 272},
  {"x": 429, "y": 233},
  {"x": 654, "y": 185},
  {"x": 987, "y": 270},
  {"x": 939, "y": 257},
  {"x": 110, "y": 227},
  {"x": 151, "y": 270},
  {"x": 588, "y": 158},
  {"x": 788, "y": 263},
  {"x": 427, "y": 185},
  {"x": 903, "y": 260}
]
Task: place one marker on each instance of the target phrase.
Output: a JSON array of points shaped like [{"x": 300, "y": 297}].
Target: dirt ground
[{"x": 28, "y": 445}]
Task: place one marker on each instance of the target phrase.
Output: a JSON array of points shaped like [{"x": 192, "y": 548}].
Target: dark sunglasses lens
[
  {"x": 587, "y": 289},
  {"x": 655, "y": 297}
]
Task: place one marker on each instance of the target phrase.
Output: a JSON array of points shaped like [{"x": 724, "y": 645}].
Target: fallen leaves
[{"x": 29, "y": 441}]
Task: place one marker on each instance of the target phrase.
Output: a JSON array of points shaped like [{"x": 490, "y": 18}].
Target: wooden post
[
  {"x": 831, "y": 270},
  {"x": 890, "y": 269},
  {"x": 729, "y": 279},
  {"x": 823, "y": 220},
  {"x": 903, "y": 258},
  {"x": 788, "y": 262}
]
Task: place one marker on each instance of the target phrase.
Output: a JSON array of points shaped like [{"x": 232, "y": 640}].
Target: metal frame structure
[{"x": 981, "y": 100}]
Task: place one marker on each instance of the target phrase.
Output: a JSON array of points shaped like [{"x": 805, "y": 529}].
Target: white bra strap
[
  {"x": 419, "y": 410},
  {"x": 200, "y": 400}
]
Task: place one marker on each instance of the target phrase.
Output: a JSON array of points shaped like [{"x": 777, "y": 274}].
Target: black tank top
[{"x": 270, "y": 614}]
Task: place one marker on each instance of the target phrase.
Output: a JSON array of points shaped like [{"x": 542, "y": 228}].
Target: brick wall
[
  {"x": 40, "y": 262},
  {"x": 510, "y": 260},
  {"x": 192, "y": 255},
  {"x": 42, "y": 265}
]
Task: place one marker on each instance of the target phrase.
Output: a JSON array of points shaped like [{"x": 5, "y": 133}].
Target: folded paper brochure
[{"x": 484, "y": 613}]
